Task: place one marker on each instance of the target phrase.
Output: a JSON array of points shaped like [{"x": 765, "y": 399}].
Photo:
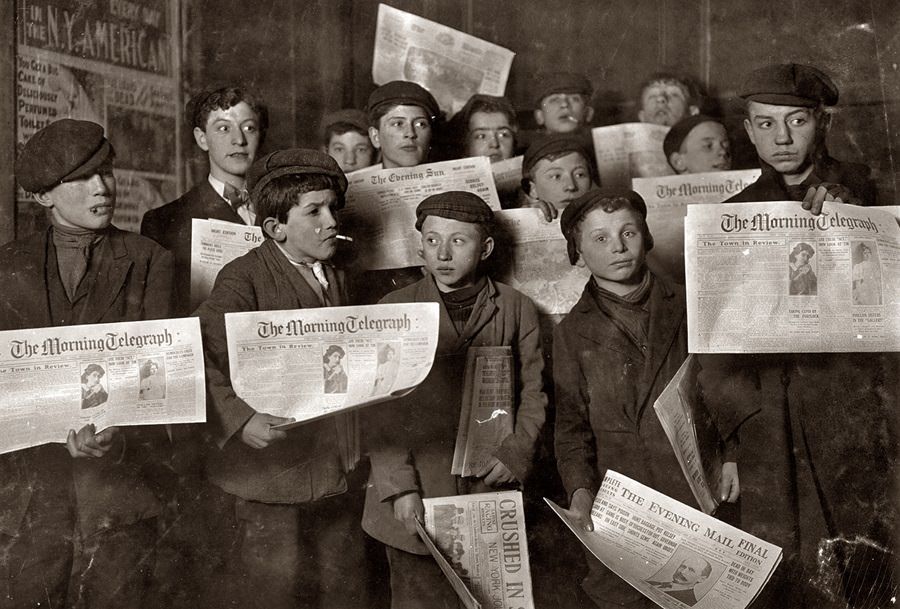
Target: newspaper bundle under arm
[
  {"x": 451, "y": 64},
  {"x": 773, "y": 278},
  {"x": 482, "y": 537},
  {"x": 215, "y": 243},
  {"x": 630, "y": 150},
  {"x": 311, "y": 363},
  {"x": 129, "y": 373},
  {"x": 652, "y": 542}
]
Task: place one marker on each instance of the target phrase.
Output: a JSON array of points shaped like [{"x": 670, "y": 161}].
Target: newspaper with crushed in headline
[
  {"x": 215, "y": 243},
  {"x": 451, "y": 64},
  {"x": 773, "y": 278},
  {"x": 667, "y": 199},
  {"x": 671, "y": 553},
  {"x": 129, "y": 373},
  {"x": 310, "y": 363},
  {"x": 482, "y": 536},
  {"x": 630, "y": 150},
  {"x": 380, "y": 214}
]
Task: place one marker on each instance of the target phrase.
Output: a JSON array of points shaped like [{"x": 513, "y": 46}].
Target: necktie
[
  {"x": 319, "y": 273},
  {"x": 236, "y": 197},
  {"x": 73, "y": 251}
]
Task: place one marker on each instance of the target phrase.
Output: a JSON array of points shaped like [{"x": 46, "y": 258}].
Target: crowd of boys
[{"x": 277, "y": 516}]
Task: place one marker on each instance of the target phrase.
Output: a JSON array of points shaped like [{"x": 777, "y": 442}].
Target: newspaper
[
  {"x": 311, "y": 363},
  {"x": 456, "y": 582},
  {"x": 533, "y": 260},
  {"x": 215, "y": 243},
  {"x": 667, "y": 199},
  {"x": 630, "y": 150},
  {"x": 381, "y": 206},
  {"x": 482, "y": 536},
  {"x": 132, "y": 373},
  {"x": 671, "y": 553},
  {"x": 693, "y": 435},
  {"x": 486, "y": 415},
  {"x": 508, "y": 178},
  {"x": 773, "y": 278},
  {"x": 451, "y": 64}
]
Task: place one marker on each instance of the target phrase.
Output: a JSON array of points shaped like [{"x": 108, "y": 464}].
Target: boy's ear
[
  {"x": 200, "y": 138},
  {"x": 373, "y": 137},
  {"x": 588, "y": 114},
  {"x": 43, "y": 198},
  {"x": 529, "y": 188},
  {"x": 693, "y": 110},
  {"x": 641, "y": 115},
  {"x": 272, "y": 228},
  {"x": 749, "y": 129},
  {"x": 539, "y": 117},
  {"x": 580, "y": 262},
  {"x": 678, "y": 162},
  {"x": 487, "y": 246}
]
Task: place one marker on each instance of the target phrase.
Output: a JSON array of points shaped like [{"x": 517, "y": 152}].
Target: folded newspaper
[
  {"x": 215, "y": 243},
  {"x": 311, "y": 363},
  {"x": 482, "y": 537},
  {"x": 773, "y": 278},
  {"x": 130, "y": 373},
  {"x": 670, "y": 552},
  {"x": 630, "y": 150}
]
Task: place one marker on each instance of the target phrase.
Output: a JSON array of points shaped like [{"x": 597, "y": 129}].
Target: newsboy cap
[
  {"x": 681, "y": 130},
  {"x": 552, "y": 143},
  {"x": 561, "y": 82},
  {"x": 294, "y": 161},
  {"x": 790, "y": 84},
  {"x": 63, "y": 151},
  {"x": 402, "y": 93},
  {"x": 578, "y": 209},
  {"x": 349, "y": 116},
  {"x": 456, "y": 205}
]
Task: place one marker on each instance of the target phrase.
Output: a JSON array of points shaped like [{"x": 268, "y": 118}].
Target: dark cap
[
  {"x": 681, "y": 129},
  {"x": 561, "y": 82},
  {"x": 455, "y": 205},
  {"x": 63, "y": 151},
  {"x": 553, "y": 143},
  {"x": 790, "y": 84},
  {"x": 402, "y": 93},
  {"x": 295, "y": 161},
  {"x": 349, "y": 116},
  {"x": 603, "y": 197}
]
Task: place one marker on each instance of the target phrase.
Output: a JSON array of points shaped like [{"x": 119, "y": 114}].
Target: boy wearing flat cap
[
  {"x": 563, "y": 102},
  {"x": 556, "y": 170},
  {"x": 402, "y": 116},
  {"x": 698, "y": 144},
  {"x": 288, "y": 488},
  {"x": 82, "y": 270},
  {"x": 411, "y": 445},
  {"x": 613, "y": 354},
  {"x": 345, "y": 136}
]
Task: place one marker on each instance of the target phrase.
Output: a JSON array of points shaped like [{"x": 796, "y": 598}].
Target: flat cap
[
  {"x": 790, "y": 84},
  {"x": 599, "y": 197},
  {"x": 681, "y": 129},
  {"x": 456, "y": 205},
  {"x": 349, "y": 116},
  {"x": 561, "y": 82},
  {"x": 553, "y": 143},
  {"x": 63, "y": 151},
  {"x": 402, "y": 93},
  {"x": 294, "y": 161}
]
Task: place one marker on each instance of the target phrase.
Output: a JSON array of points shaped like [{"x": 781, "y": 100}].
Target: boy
[
  {"x": 411, "y": 445},
  {"x": 563, "y": 102},
  {"x": 667, "y": 98},
  {"x": 82, "y": 270},
  {"x": 286, "y": 487},
  {"x": 613, "y": 354},
  {"x": 698, "y": 144},
  {"x": 229, "y": 125},
  {"x": 556, "y": 170},
  {"x": 486, "y": 126},
  {"x": 402, "y": 116},
  {"x": 345, "y": 136}
]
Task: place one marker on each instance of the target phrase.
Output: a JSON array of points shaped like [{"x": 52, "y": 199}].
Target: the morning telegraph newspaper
[
  {"x": 535, "y": 261},
  {"x": 773, "y": 278},
  {"x": 667, "y": 199},
  {"x": 482, "y": 536},
  {"x": 671, "y": 553},
  {"x": 452, "y": 65},
  {"x": 215, "y": 243},
  {"x": 380, "y": 213},
  {"x": 130, "y": 373},
  {"x": 311, "y": 363},
  {"x": 630, "y": 150}
]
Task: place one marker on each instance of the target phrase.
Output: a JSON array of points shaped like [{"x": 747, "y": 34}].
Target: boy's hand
[
  {"x": 730, "y": 486},
  {"x": 496, "y": 474},
  {"x": 548, "y": 209},
  {"x": 87, "y": 443},
  {"x": 828, "y": 191},
  {"x": 407, "y": 509},
  {"x": 258, "y": 432},
  {"x": 580, "y": 509}
]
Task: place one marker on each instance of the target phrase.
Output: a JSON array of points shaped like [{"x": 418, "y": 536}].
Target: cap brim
[
  {"x": 782, "y": 99},
  {"x": 90, "y": 167}
]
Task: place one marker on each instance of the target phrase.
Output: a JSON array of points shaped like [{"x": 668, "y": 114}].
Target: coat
[
  {"x": 305, "y": 466},
  {"x": 411, "y": 440},
  {"x": 133, "y": 282}
]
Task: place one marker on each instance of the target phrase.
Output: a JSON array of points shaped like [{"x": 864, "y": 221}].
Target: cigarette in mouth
[{"x": 344, "y": 238}]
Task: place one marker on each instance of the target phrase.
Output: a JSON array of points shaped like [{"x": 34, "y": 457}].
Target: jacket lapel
[
  {"x": 666, "y": 315},
  {"x": 595, "y": 326},
  {"x": 114, "y": 264},
  {"x": 217, "y": 208}
]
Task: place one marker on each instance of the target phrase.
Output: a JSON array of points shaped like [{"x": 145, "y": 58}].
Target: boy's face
[
  {"x": 665, "y": 102},
  {"x": 784, "y": 136},
  {"x": 311, "y": 227},
  {"x": 87, "y": 203},
  {"x": 352, "y": 150},
  {"x": 452, "y": 250},
  {"x": 562, "y": 180},
  {"x": 231, "y": 138},
  {"x": 706, "y": 148},
  {"x": 490, "y": 135},
  {"x": 611, "y": 246},
  {"x": 403, "y": 135},
  {"x": 563, "y": 112}
]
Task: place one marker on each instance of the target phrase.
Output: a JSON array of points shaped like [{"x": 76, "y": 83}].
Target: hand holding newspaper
[{"x": 670, "y": 552}]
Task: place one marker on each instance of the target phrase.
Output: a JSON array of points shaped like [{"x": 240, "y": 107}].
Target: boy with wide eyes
[
  {"x": 698, "y": 144},
  {"x": 345, "y": 136},
  {"x": 411, "y": 440},
  {"x": 402, "y": 116},
  {"x": 556, "y": 170}
]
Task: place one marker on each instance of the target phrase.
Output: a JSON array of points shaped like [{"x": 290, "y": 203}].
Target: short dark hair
[
  {"x": 203, "y": 103},
  {"x": 499, "y": 105},
  {"x": 802, "y": 247},
  {"x": 608, "y": 205},
  {"x": 278, "y": 196},
  {"x": 333, "y": 349},
  {"x": 145, "y": 367},
  {"x": 92, "y": 368},
  {"x": 340, "y": 128},
  {"x": 688, "y": 84}
]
